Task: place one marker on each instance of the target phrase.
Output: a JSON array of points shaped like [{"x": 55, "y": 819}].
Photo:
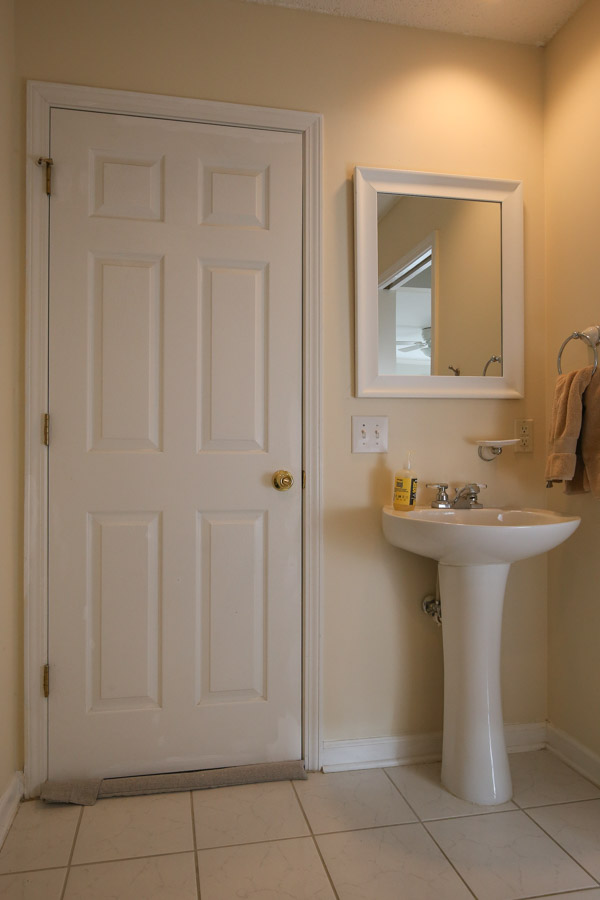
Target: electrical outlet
[
  {"x": 369, "y": 434},
  {"x": 524, "y": 431}
]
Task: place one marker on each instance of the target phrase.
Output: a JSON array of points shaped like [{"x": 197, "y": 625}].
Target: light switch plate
[{"x": 369, "y": 434}]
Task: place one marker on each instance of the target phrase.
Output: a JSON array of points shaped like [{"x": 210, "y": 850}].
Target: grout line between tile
[
  {"x": 297, "y": 796},
  {"x": 446, "y": 857},
  {"x": 316, "y": 845},
  {"x": 408, "y": 803},
  {"x": 196, "y": 861},
  {"x": 324, "y": 864},
  {"x": 101, "y": 862},
  {"x": 367, "y": 828},
  {"x": 116, "y": 859},
  {"x": 556, "y": 803},
  {"x": 64, "y": 886},
  {"x": 423, "y": 825},
  {"x": 492, "y": 811},
  {"x": 561, "y": 894},
  {"x": 28, "y": 871},
  {"x": 70, "y": 860},
  {"x": 273, "y": 840},
  {"x": 564, "y": 849}
]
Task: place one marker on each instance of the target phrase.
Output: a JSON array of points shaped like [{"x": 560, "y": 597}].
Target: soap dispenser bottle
[{"x": 405, "y": 487}]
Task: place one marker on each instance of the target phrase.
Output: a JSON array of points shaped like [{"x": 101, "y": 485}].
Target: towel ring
[{"x": 577, "y": 336}]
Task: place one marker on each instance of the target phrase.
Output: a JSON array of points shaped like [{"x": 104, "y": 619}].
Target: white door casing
[{"x": 133, "y": 523}]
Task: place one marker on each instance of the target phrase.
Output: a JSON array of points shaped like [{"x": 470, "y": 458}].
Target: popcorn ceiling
[{"x": 520, "y": 21}]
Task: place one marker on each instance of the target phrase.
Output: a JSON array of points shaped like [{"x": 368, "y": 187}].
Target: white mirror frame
[{"x": 369, "y": 383}]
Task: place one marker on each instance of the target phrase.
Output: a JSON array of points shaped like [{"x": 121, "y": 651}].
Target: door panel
[
  {"x": 175, "y": 393},
  {"x": 124, "y": 637},
  {"x": 235, "y": 368}
]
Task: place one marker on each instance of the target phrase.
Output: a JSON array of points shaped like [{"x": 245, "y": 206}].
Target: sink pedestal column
[{"x": 474, "y": 760}]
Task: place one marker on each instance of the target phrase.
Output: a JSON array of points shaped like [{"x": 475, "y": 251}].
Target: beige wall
[
  {"x": 573, "y": 232},
  {"x": 11, "y": 470},
  {"x": 390, "y": 97}
]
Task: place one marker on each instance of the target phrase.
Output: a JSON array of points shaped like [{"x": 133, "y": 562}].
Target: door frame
[{"x": 41, "y": 98}]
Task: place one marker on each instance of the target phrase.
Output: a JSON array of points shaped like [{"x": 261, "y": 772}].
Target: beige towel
[
  {"x": 566, "y": 424},
  {"x": 587, "y": 470}
]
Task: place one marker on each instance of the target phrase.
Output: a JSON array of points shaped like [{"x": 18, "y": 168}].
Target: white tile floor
[{"x": 391, "y": 834}]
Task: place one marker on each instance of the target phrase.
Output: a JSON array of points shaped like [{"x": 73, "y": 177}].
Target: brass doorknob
[{"x": 283, "y": 480}]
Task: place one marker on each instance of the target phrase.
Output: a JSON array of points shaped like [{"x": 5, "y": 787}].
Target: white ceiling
[{"x": 521, "y": 21}]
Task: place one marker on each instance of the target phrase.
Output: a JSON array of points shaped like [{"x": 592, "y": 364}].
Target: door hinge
[
  {"x": 46, "y": 429},
  {"x": 46, "y": 680},
  {"x": 48, "y": 162},
  {"x": 303, "y": 479}
]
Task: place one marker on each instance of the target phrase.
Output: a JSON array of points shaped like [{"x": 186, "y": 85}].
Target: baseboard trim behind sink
[
  {"x": 407, "y": 749},
  {"x": 575, "y": 754}
]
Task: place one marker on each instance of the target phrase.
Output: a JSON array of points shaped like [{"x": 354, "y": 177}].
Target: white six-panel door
[{"x": 174, "y": 394}]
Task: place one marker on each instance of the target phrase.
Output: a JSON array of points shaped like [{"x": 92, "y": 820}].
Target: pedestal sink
[{"x": 474, "y": 549}]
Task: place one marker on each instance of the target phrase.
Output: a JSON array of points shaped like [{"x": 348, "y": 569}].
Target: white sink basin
[
  {"x": 474, "y": 548},
  {"x": 475, "y": 537}
]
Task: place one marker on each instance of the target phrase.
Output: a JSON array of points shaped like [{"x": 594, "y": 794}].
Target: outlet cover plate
[{"x": 524, "y": 432}]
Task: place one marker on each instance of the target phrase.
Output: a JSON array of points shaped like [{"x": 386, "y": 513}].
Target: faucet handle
[
  {"x": 472, "y": 488},
  {"x": 442, "y": 500},
  {"x": 466, "y": 496}
]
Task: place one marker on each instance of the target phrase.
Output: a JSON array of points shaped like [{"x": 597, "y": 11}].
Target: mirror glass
[
  {"x": 430, "y": 248},
  {"x": 439, "y": 285}
]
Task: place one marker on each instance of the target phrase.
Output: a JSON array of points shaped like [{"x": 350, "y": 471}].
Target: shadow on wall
[
  {"x": 381, "y": 483},
  {"x": 380, "y": 589}
]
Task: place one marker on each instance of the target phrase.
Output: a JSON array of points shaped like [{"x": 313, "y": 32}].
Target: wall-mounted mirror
[{"x": 439, "y": 285}]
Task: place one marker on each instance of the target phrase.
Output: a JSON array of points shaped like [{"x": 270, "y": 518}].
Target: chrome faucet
[
  {"x": 466, "y": 497},
  {"x": 442, "y": 500}
]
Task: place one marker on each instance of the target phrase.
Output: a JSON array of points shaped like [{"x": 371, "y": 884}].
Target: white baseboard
[
  {"x": 574, "y": 754},
  {"x": 371, "y": 753},
  {"x": 520, "y": 738},
  {"x": 9, "y": 804}
]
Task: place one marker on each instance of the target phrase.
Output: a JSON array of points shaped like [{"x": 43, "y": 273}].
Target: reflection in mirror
[
  {"x": 405, "y": 291},
  {"x": 439, "y": 285}
]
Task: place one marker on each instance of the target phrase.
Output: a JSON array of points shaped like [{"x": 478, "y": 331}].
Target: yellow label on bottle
[{"x": 405, "y": 492}]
